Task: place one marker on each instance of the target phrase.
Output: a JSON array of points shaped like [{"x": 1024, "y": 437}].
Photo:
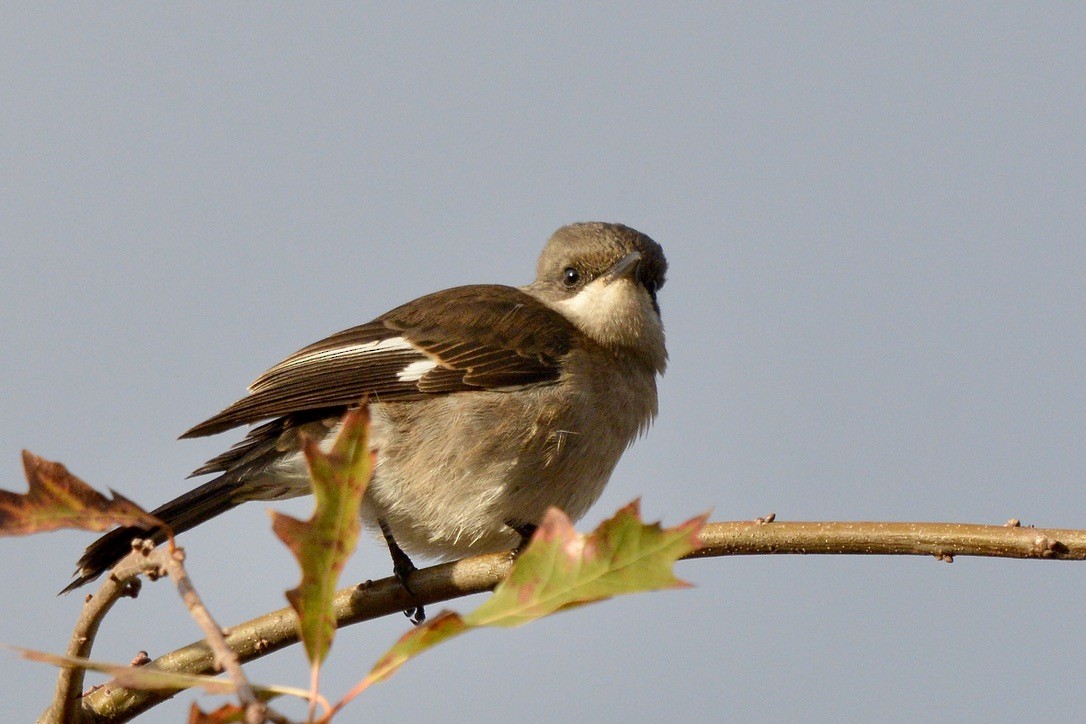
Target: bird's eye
[{"x": 571, "y": 276}]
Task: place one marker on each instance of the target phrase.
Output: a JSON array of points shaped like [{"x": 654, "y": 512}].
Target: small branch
[
  {"x": 122, "y": 582},
  {"x": 224, "y": 658},
  {"x": 942, "y": 540},
  {"x": 273, "y": 631},
  {"x": 278, "y": 629}
]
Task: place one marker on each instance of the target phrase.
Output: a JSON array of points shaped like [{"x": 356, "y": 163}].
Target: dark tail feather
[{"x": 188, "y": 511}]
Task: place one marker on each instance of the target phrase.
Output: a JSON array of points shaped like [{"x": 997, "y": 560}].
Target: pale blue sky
[{"x": 876, "y": 222}]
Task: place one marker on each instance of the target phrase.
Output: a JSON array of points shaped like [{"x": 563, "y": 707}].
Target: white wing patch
[
  {"x": 381, "y": 345},
  {"x": 414, "y": 371}
]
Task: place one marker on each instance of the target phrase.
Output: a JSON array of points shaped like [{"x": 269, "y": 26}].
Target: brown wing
[{"x": 466, "y": 338}]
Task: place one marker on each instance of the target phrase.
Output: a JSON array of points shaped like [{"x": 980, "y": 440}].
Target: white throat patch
[{"x": 614, "y": 312}]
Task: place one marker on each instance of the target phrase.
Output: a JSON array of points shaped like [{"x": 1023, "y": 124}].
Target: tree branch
[
  {"x": 278, "y": 629},
  {"x": 273, "y": 631},
  {"x": 942, "y": 540},
  {"x": 121, "y": 582}
]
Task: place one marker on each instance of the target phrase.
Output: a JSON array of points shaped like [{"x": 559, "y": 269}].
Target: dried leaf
[
  {"x": 58, "y": 499},
  {"x": 148, "y": 678},
  {"x": 145, "y": 678},
  {"x": 323, "y": 544},
  {"x": 225, "y": 714}
]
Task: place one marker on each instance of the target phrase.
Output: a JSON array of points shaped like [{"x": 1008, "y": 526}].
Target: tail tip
[{"x": 83, "y": 576}]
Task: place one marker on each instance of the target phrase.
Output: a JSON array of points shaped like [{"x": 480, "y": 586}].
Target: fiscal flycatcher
[{"x": 489, "y": 404}]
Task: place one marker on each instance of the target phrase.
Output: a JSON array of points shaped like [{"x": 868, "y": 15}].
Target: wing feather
[{"x": 476, "y": 337}]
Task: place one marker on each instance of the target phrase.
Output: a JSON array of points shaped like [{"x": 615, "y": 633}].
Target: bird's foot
[
  {"x": 525, "y": 531},
  {"x": 402, "y": 568}
]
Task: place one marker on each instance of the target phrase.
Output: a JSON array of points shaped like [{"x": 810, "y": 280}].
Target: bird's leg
[
  {"x": 402, "y": 568},
  {"x": 525, "y": 531}
]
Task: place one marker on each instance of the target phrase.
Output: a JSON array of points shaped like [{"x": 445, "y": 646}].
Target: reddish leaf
[
  {"x": 58, "y": 499},
  {"x": 225, "y": 714}
]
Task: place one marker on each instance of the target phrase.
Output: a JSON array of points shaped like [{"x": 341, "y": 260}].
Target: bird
[{"x": 489, "y": 404}]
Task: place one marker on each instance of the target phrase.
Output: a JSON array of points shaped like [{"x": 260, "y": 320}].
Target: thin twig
[
  {"x": 122, "y": 582},
  {"x": 224, "y": 657},
  {"x": 273, "y": 631}
]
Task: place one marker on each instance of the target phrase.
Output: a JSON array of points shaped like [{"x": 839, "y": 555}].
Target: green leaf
[
  {"x": 58, "y": 499},
  {"x": 560, "y": 569},
  {"x": 323, "y": 544},
  {"x": 445, "y": 625}
]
